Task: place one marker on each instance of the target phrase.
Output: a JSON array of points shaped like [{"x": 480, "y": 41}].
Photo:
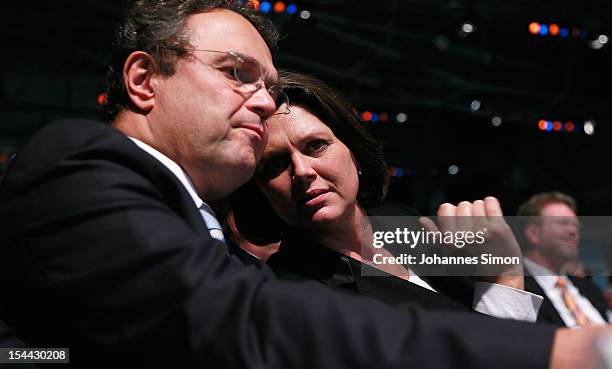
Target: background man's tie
[{"x": 570, "y": 302}]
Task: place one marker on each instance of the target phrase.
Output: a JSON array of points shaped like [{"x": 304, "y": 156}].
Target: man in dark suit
[
  {"x": 552, "y": 235},
  {"x": 106, "y": 252}
]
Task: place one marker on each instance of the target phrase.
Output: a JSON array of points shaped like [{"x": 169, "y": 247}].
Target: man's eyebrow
[{"x": 268, "y": 80}]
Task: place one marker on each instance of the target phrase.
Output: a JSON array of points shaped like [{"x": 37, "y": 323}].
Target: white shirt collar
[
  {"x": 174, "y": 168},
  {"x": 544, "y": 276}
]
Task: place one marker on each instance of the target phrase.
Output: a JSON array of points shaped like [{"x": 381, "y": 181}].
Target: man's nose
[{"x": 262, "y": 103}]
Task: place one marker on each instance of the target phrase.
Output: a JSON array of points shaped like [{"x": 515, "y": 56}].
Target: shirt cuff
[{"x": 506, "y": 302}]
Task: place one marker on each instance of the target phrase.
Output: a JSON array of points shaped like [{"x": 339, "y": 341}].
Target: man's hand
[
  {"x": 575, "y": 348},
  {"x": 483, "y": 215}
]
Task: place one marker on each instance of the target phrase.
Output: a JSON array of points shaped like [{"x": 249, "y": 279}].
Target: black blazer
[
  {"x": 548, "y": 312},
  {"x": 104, "y": 252},
  {"x": 300, "y": 258}
]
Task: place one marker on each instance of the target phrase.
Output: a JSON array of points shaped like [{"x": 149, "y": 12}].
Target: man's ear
[
  {"x": 138, "y": 72},
  {"x": 532, "y": 233}
]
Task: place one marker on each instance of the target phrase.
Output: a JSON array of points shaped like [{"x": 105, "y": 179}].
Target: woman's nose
[{"x": 302, "y": 170}]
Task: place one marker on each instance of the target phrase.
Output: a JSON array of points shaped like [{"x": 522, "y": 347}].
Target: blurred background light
[
  {"x": 549, "y": 125},
  {"x": 265, "y": 7},
  {"x": 542, "y": 125},
  {"x": 401, "y": 117},
  {"x": 102, "y": 98},
  {"x": 280, "y": 6},
  {"x": 553, "y": 29},
  {"x": 589, "y": 127},
  {"x": 603, "y": 39},
  {"x": 291, "y": 9},
  {"x": 475, "y": 105},
  {"x": 467, "y": 27}
]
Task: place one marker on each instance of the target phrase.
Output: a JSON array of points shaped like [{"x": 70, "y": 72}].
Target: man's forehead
[
  {"x": 225, "y": 30},
  {"x": 557, "y": 209}
]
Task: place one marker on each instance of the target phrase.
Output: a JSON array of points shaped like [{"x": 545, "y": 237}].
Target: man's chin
[{"x": 231, "y": 180}]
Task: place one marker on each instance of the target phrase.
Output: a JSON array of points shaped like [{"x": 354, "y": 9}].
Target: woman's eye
[
  {"x": 272, "y": 167},
  {"x": 317, "y": 146}
]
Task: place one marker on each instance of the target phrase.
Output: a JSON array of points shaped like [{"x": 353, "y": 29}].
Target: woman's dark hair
[
  {"x": 255, "y": 218},
  {"x": 158, "y": 28}
]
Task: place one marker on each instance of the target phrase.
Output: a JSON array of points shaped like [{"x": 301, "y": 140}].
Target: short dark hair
[
  {"x": 158, "y": 28},
  {"x": 335, "y": 112},
  {"x": 253, "y": 214},
  {"x": 534, "y": 205}
]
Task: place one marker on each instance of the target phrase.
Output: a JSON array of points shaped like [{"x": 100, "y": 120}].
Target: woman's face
[{"x": 307, "y": 174}]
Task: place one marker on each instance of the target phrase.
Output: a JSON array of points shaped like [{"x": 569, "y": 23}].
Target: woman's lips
[{"x": 317, "y": 199}]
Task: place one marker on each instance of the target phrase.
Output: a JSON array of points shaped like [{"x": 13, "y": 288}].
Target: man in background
[{"x": 552, "y": 233}]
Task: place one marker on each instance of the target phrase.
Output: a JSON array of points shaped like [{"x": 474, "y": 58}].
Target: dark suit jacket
[
  {"x": 104, "y": 252},
  {"x": 548, "y": 312}
]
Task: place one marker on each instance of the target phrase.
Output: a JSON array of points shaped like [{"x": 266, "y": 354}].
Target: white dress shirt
[
  {"x": 209, "y": 217},
  {"x": 548, "y": 281},
  {"x": 174, "y": 168},
  {"x": 498, "y": 300}
]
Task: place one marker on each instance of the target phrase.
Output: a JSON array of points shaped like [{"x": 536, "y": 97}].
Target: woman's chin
[{"x": 323, "y": 218}]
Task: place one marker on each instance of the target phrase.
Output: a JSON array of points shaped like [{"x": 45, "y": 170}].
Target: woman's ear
[{"x": 139, "y": 70}]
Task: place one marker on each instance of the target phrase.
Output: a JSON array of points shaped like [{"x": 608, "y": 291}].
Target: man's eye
[
  {"x": 228, "y": 72},
  {"x": 247, "y": 74}
]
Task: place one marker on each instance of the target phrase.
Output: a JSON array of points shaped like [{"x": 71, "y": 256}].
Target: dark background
[{"x": 384, "y": 56}]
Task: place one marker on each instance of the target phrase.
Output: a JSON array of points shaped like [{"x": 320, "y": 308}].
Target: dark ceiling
[{"x": 385, "y": 56}]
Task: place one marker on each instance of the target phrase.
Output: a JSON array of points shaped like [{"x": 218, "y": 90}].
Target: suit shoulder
[
  {"x": 69, "y": 132},
  {"x": 59, "y": 140}
]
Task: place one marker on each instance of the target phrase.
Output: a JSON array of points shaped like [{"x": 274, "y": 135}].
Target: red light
[
  {"x": 384, "y": 117},
  {"x": 392, "y": 171},
  {"x": 557, "y": 125},
  {"x": 367, "y": 116},
  {"x": 279, "y": 7},
  {"x": 576, "y": 31},
  {"x": 553, "y": 29},
  {"x": 542, "y": 125},
  {"x": 254, "y": 4},
  {"x": 4, "y": 157},
  {"x": 534, "y": 28},
  {"x": 102, "y": 98},
  {"x": 569, "y": 127}
]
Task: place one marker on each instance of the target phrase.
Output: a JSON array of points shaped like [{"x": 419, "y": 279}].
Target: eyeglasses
[{"x": 248, "y": 74}]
